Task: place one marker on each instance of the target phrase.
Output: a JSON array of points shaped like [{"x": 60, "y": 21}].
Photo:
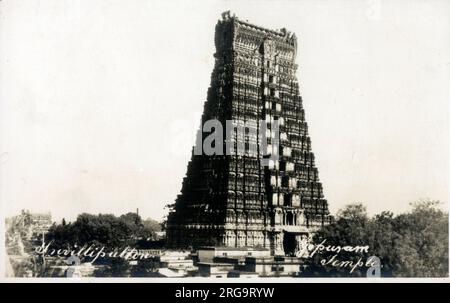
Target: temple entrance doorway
[{"x": 289, "y": 244}]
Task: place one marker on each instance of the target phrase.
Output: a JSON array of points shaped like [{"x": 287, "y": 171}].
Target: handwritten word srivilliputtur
[{"x": 93, "y": 252}]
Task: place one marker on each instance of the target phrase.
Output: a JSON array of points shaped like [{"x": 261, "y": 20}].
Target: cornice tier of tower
[{"x": 282, "y": 33}]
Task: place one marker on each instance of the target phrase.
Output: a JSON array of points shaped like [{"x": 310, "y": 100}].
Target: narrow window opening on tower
[
  {"x": 285, "y": 181},
  {"x": 289, "y": 219},
  {"x": 282, "y": 165},
  {"x": 288, "y": 199}
]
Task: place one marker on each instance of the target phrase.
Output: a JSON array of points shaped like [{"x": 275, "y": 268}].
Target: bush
[{"x": 413, "y": 244}]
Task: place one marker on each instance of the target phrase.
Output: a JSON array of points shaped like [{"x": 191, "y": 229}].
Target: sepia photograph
[{"x": 153, "y": 140}]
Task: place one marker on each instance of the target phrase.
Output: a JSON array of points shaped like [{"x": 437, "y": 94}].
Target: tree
[
  {"x": 101, "y": 230},
  {"x": 152, "y": 225},
  {"x": 413, "y": 244},
  {"x": 422, "y": 243},
  {"x": 349, "y": 229},
  {"x": 111, "y": 232}
]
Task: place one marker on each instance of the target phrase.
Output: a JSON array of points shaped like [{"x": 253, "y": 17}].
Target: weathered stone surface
[{"x": 234, "y": 200}]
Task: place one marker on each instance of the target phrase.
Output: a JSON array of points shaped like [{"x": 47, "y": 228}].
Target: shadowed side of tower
[{"x": 257, "y": 195}]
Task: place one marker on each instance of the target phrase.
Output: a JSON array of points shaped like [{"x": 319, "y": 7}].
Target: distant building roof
[{"x": 166, "y": 272}]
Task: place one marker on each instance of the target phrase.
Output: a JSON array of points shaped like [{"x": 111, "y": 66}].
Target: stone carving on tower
[{"x": 259, "y": 195}]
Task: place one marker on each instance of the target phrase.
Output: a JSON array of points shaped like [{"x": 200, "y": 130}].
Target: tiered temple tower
[{"x": 243, "y": 199}]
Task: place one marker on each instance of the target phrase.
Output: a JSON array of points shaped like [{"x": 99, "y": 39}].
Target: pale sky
[{"x": 100, "y": 100}]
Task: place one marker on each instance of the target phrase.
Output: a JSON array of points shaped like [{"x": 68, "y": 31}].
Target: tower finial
[{"x": 226, "y": 15}]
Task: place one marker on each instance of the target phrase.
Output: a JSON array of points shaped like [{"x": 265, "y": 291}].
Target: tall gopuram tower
[{"x": 255, "y": 195}]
